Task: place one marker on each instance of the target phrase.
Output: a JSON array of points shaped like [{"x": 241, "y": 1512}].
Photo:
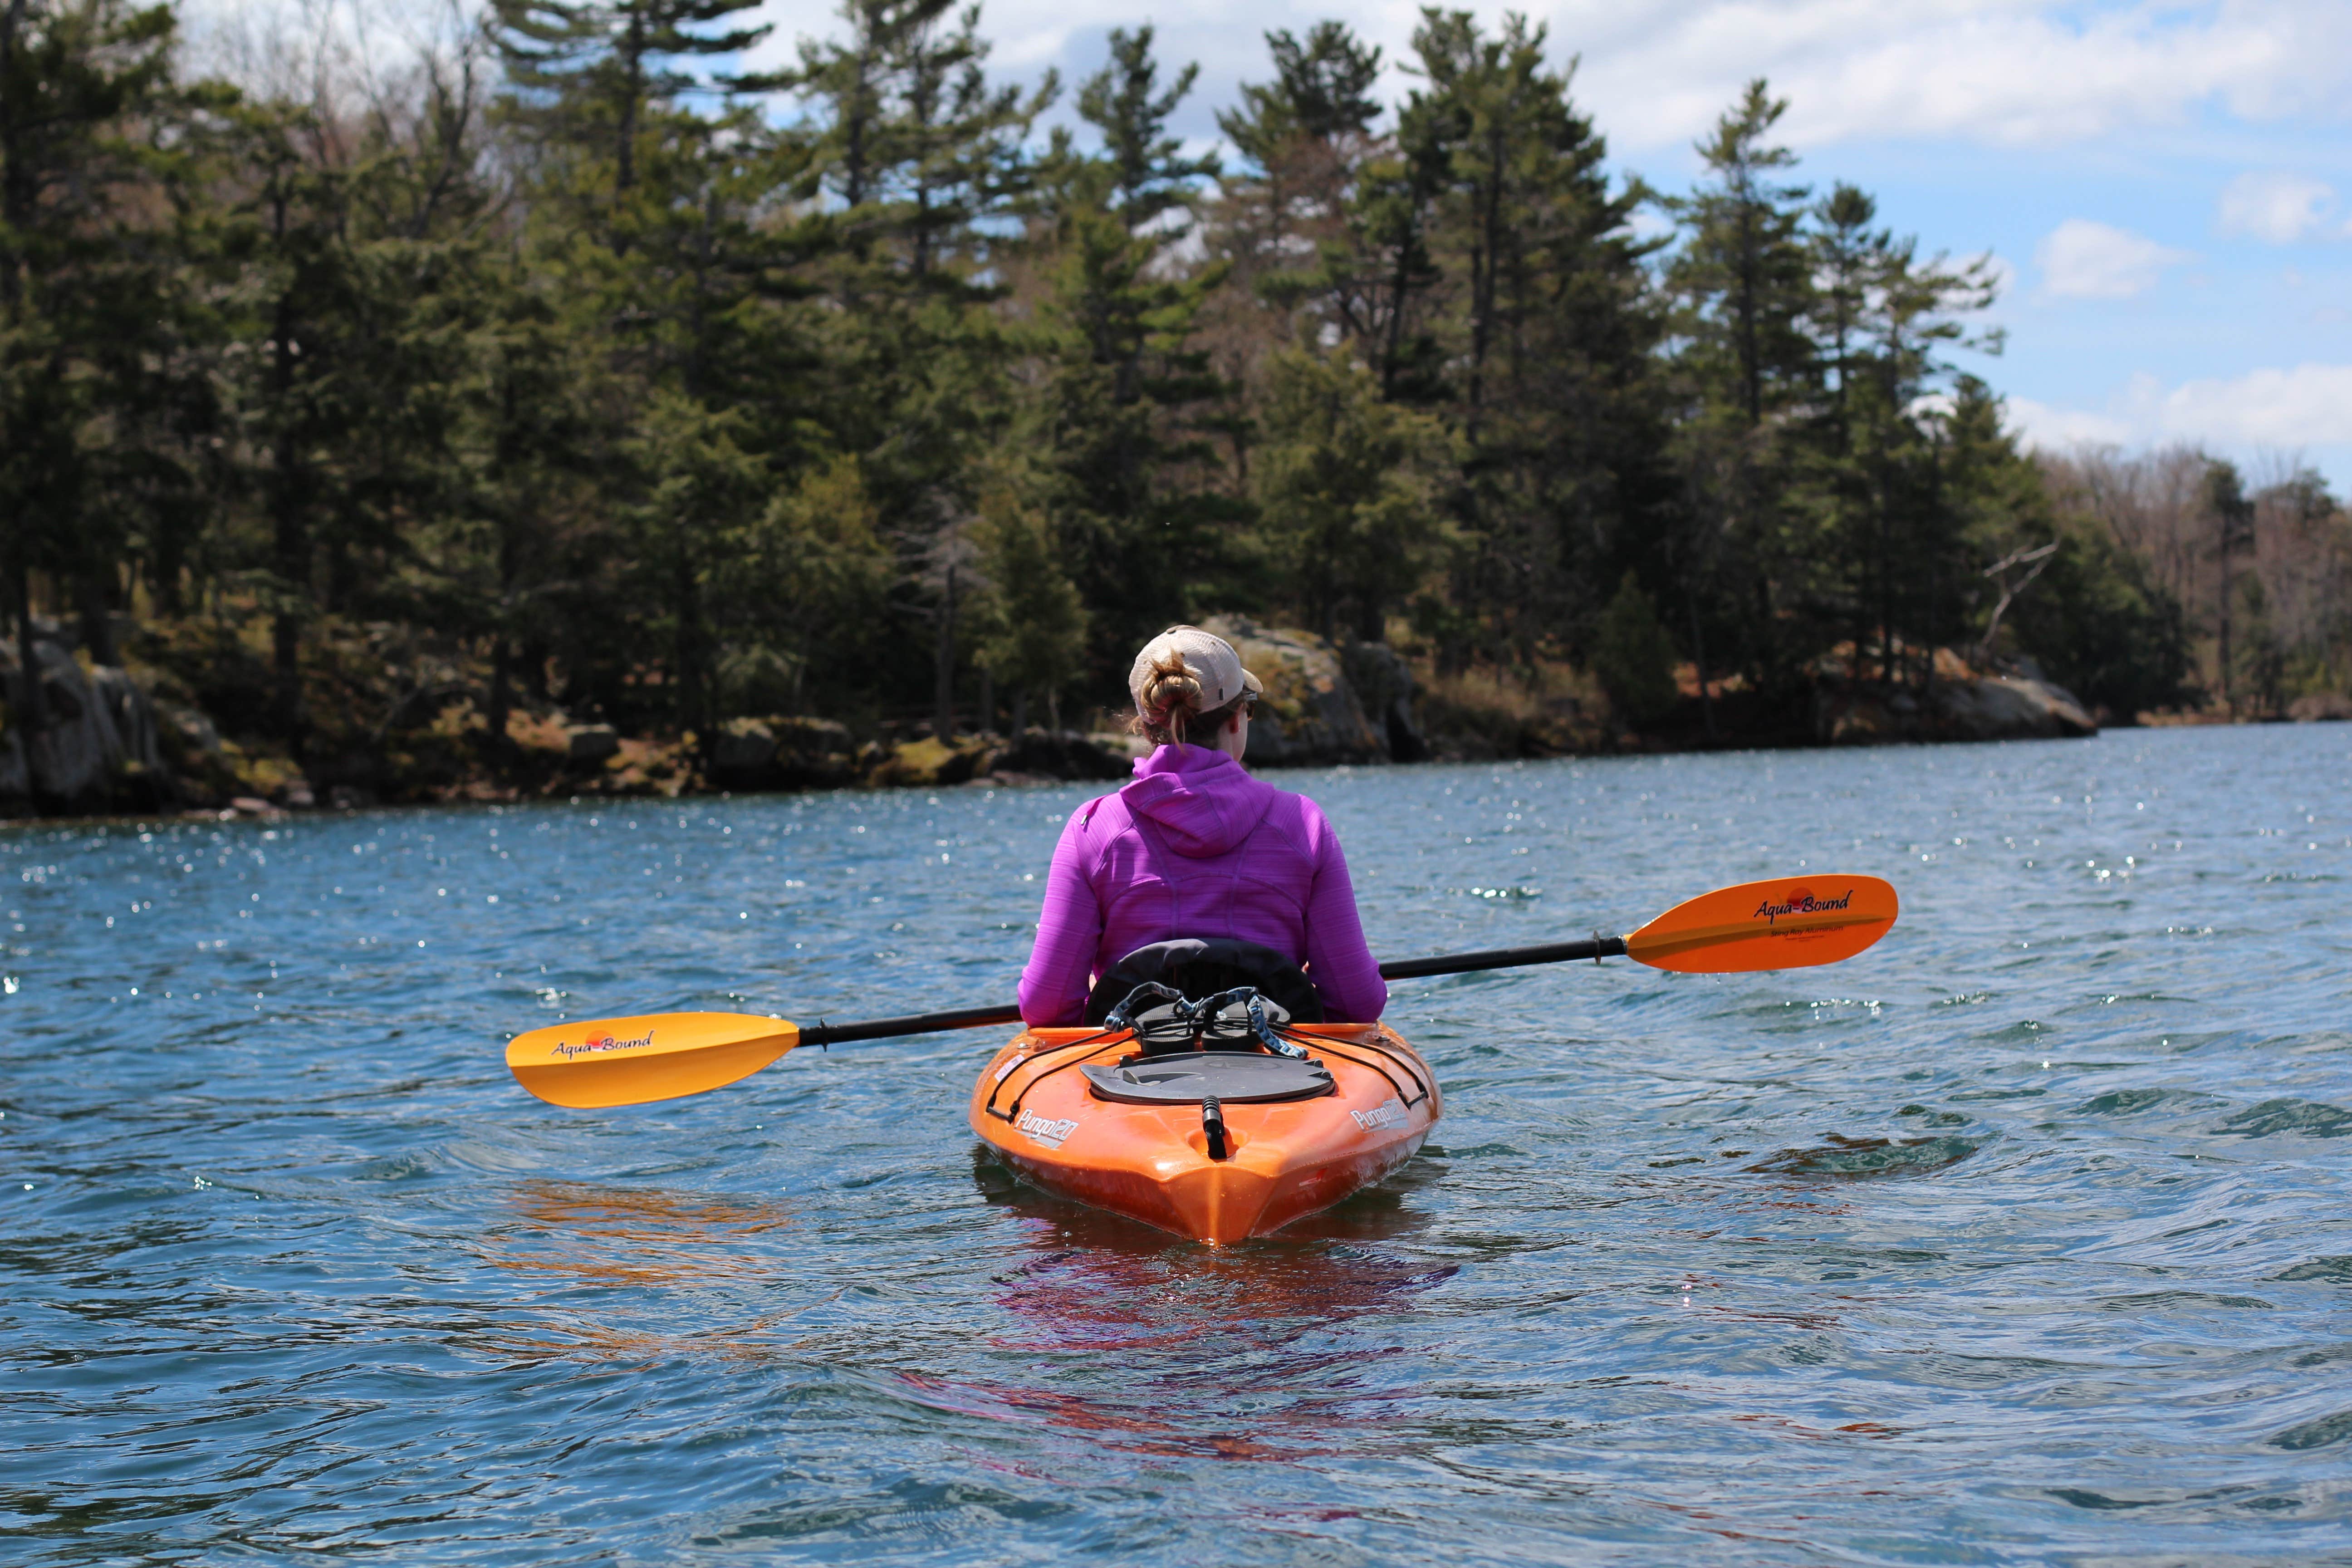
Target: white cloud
[
  {"x": 2279, "y": 207},
  {"x": 2081, "y": 259},
  {"x": 2044, "y": 425},
  {"x": 2308, "y": 405},
  {"x": 1648, "y": 223},
  {"x": 2016, "y": 72}
]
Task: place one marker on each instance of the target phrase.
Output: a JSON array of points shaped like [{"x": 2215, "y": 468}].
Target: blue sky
[{"x": 2169, "y": 186}]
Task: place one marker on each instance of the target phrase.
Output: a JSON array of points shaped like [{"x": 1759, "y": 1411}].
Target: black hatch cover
[{"x": 1188, "y": 1078}]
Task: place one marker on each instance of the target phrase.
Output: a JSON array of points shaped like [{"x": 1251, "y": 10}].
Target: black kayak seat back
[
  {"x": 1198, "y": 967},
  {"x": 1234, "y": 1078}
]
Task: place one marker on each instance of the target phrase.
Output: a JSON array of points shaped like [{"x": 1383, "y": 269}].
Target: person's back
[{"x": 1196, "y": 848}]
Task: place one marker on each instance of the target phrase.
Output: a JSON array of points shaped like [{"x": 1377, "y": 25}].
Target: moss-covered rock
[
  {"x": 1310, "y": 712},
  {"x": 930, "y": 762}
]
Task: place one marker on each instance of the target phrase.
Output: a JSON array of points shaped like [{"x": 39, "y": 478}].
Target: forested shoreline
[{"x": 394, "y": 428}]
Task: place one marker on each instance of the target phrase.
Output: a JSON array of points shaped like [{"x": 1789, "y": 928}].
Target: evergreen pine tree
[
  {"x": 1346, "y": 488},
  {"x": 80, "y": 284},
  {"x": 1550, "y": 327},
  {"x": 1633, "y": 657},
  {"x": 589, "y": 69},
  {"x": 1741, "y": 282},
  {"x": 638, "y": 398},
  {"x": 1033, "y": 632},
  {"x": 1149, "y": 176},
  {"x": 926, "y": 160},
  {"x": 1303, "y": 137},
  {"x": 1127, "y": 384}
]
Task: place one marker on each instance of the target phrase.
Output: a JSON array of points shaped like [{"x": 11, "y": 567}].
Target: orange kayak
[{"x": 1219, "y": 1146}]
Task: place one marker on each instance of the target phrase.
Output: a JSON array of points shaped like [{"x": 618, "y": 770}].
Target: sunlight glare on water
[{"x": 2022, "y": 1238}]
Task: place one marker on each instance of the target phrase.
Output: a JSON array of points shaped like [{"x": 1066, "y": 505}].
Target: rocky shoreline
[{"x": 127, "y": 740}]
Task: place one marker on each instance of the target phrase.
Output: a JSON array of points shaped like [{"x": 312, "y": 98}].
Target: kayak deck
[{"x": 1035, "y": 1108}]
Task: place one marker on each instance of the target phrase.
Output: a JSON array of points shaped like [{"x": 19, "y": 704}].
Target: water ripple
[{"x": 2020, "y": 1238}]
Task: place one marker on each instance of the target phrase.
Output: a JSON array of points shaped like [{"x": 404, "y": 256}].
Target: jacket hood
[{"x": 1202, "y": 800}]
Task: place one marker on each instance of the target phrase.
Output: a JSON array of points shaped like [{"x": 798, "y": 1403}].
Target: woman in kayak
[{"x": 1196, "y": 848}]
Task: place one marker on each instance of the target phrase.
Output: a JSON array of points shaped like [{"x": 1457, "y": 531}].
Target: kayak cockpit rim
[{"x": 1323, "y": 1037}]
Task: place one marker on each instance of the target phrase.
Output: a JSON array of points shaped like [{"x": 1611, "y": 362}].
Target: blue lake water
[{"x": 2022, "y": 1238}]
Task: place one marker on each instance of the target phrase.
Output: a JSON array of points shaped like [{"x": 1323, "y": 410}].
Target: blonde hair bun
[{"x": 1168, "y": 685}]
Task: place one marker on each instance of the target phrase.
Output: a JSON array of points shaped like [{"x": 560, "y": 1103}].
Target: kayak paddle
[{"x": 1787, "y": 922}]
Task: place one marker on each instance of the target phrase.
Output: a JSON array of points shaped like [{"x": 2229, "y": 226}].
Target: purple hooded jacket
[{"x": 1196, "y": 848}]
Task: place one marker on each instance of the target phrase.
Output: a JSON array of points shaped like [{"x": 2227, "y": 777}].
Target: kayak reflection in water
[{"x": 1195, "y": 847}]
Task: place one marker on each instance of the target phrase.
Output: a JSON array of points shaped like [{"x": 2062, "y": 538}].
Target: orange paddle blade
[
  {"x": 1788, "y": 922},
  {"x": 656, "y": 1056}
]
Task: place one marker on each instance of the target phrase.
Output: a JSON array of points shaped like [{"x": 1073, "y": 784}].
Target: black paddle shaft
[
  {"x": 826, "y": 1034},
  {"x": 1596, "y": 949}
]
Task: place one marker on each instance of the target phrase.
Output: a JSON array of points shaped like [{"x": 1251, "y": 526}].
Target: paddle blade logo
[
  {"x": 1790, "y": 922},
  {"x": 607, "y": 1043},
  {"x": 1801, "y": 901}
]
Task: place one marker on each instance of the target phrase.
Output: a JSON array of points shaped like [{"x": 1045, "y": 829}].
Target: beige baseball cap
[{"x": 1208, "y": 658}]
